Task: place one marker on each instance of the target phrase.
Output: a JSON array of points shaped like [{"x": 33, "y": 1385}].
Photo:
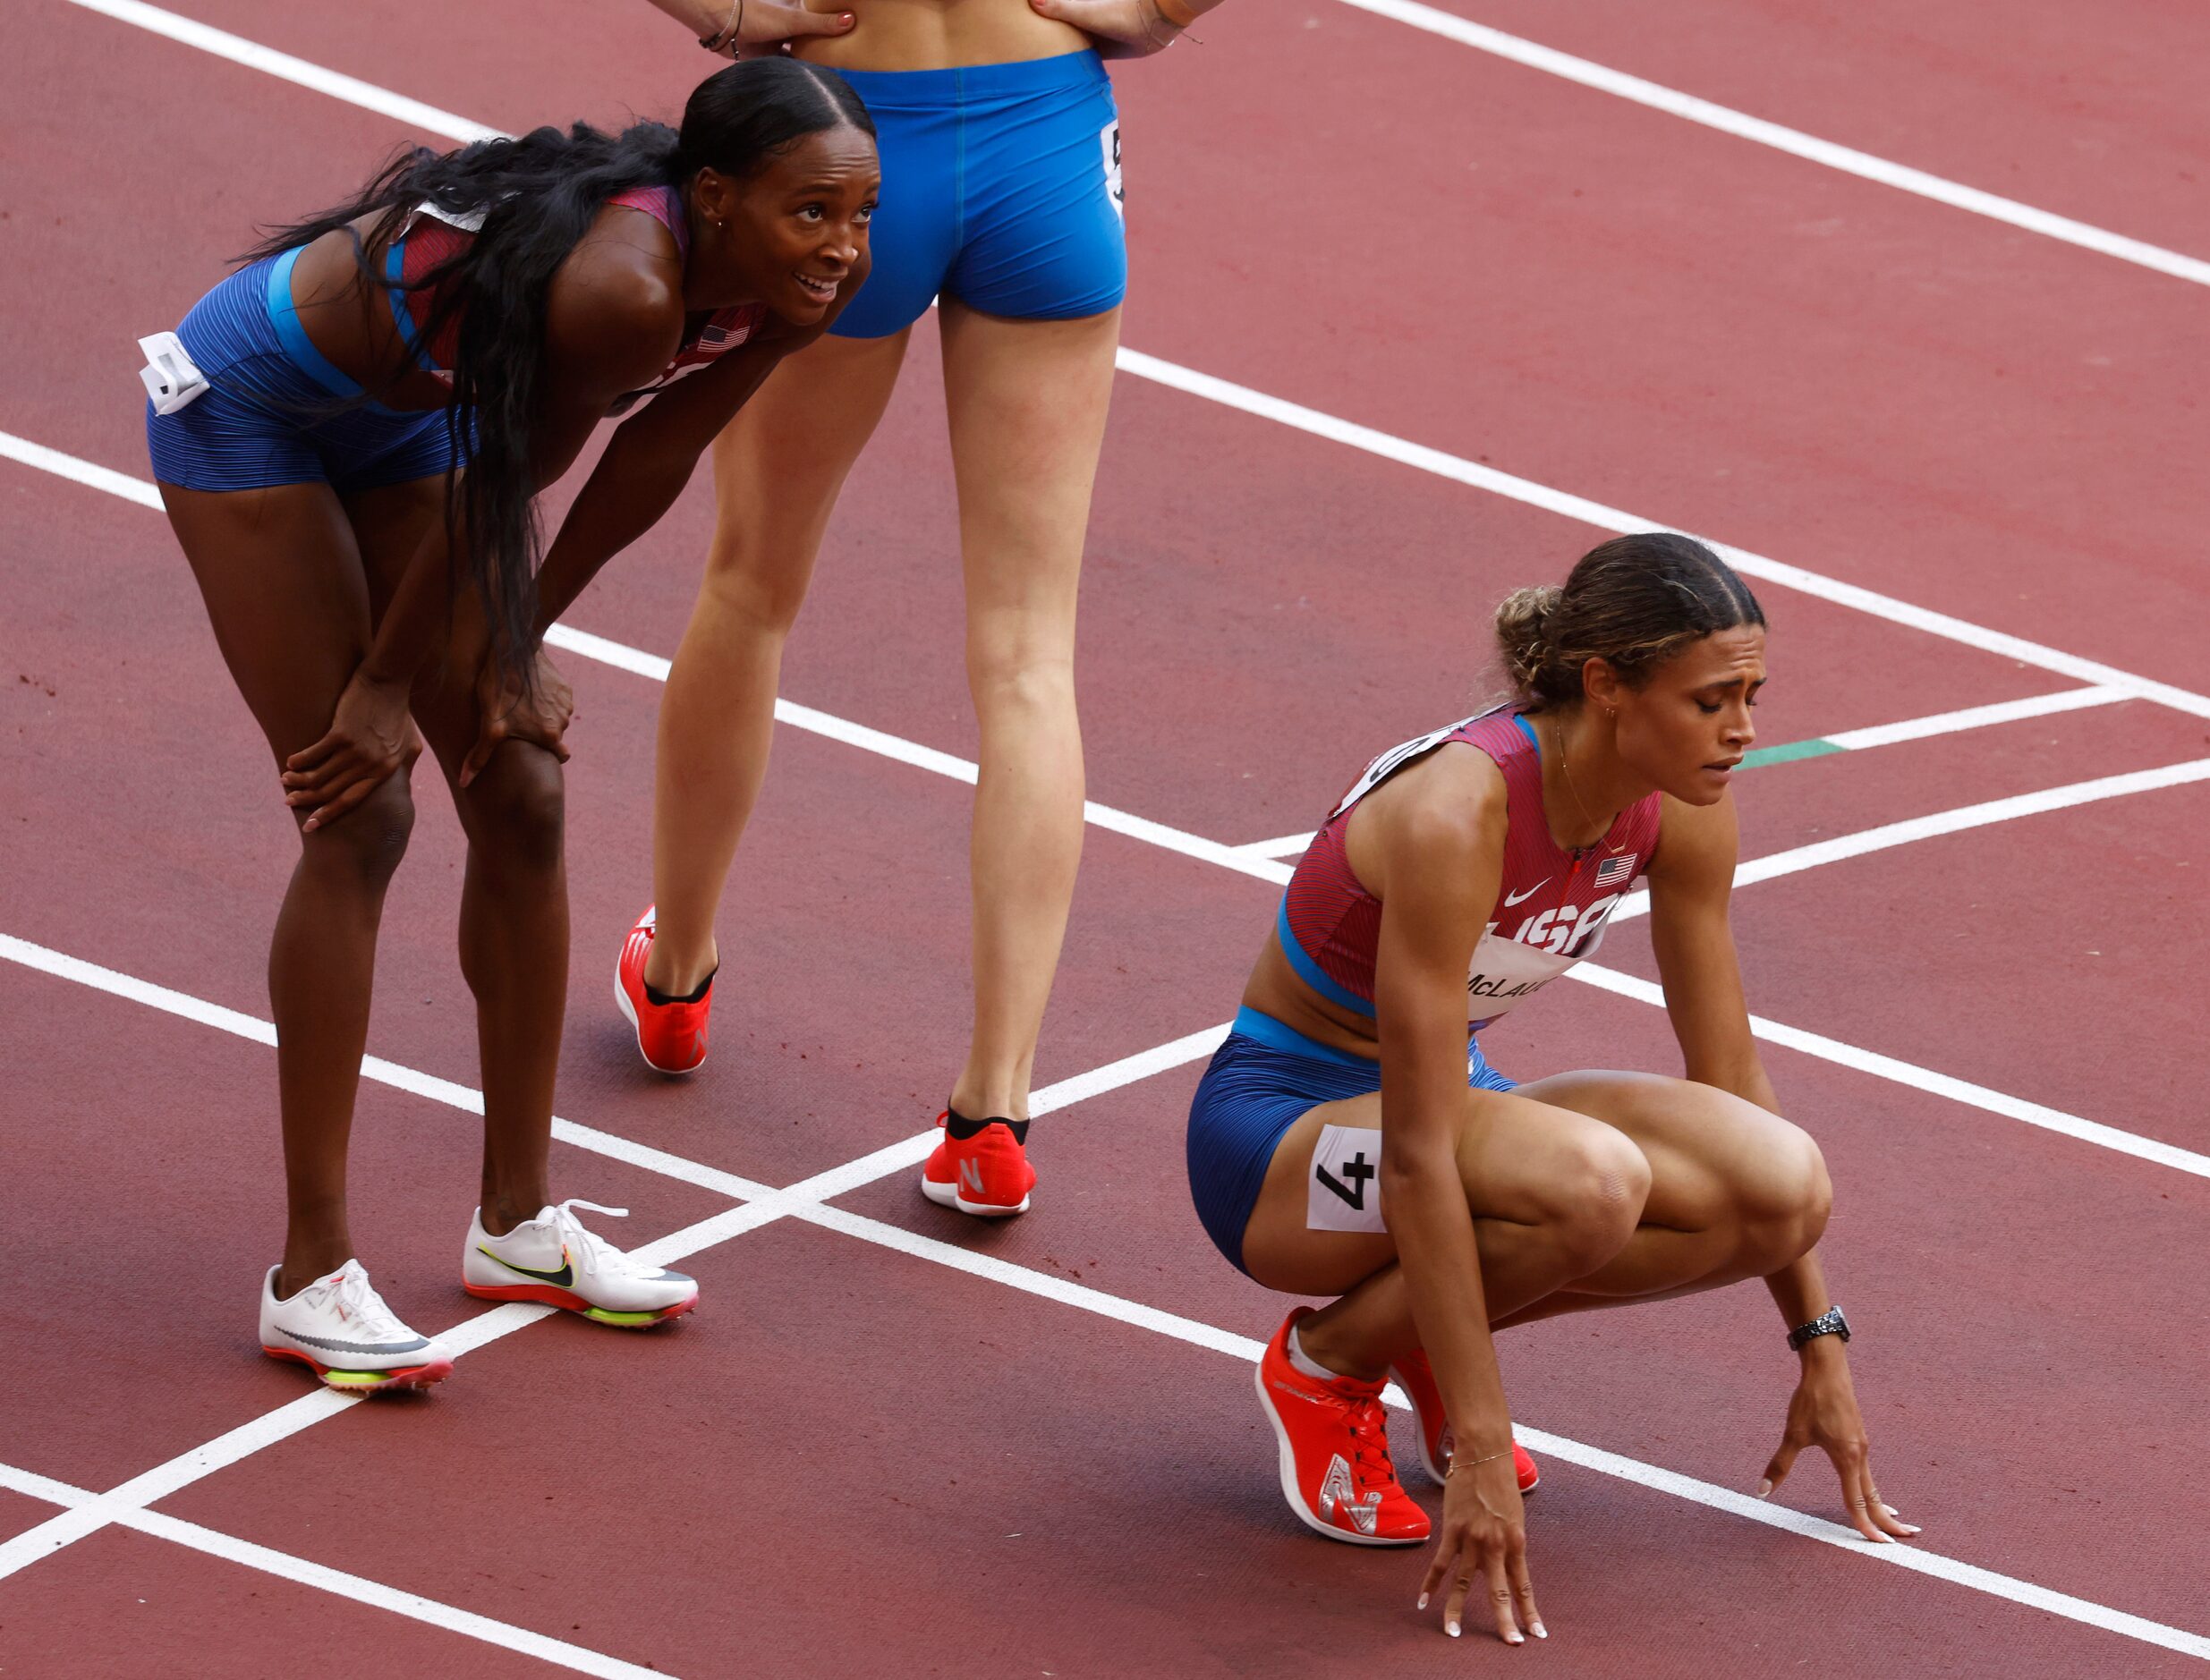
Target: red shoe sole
[
  {"x": 407, "y": 1377},
  {"x": 550, "y": 1296}
]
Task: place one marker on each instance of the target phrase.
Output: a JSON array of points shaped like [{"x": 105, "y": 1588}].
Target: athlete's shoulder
[
  {"x": 1450, "y": 804},
  {"x": 1696, "y": 843},
  {"x": 616, "y": 314}
]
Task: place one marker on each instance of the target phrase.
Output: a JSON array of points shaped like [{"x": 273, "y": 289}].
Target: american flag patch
[{"x": 1616, "y": 871}]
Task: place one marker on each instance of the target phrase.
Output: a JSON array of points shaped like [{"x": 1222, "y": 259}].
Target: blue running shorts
[
  {"x": 276, "y": 411},
  {"x": 1001, "y": 188},
  {"x": 1262, "y": 1081}
]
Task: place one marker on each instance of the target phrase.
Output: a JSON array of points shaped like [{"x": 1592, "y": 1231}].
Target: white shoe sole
[
  {"x": 945, "y": 1196},
  {"x": 629, "y": 1011},
  {"x": 1295, "y": 1495}
]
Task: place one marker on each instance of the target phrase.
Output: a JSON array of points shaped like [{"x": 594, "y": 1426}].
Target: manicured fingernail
[
  {"x": 1891, "y": 1510},
  {"x": 1515, "y": 1638},
  {"x": 1541, "y": 1631},
  {"x": 1450, "y": 1628},
  {"x": 1422, "y": 1600},
  {"x": 1912, "y": 1527},
  {"x": 1882, "y": 1538},
  {"x": 1765, "y": 1488}
]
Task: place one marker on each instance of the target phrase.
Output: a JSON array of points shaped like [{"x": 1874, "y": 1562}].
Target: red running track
[{"x": 860, "y": 1460}]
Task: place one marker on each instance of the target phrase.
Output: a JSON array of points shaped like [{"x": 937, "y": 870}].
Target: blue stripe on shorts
[
  {"x": 1001, "y": 188},
  {"x": 276, "y": 411},
  {"x": 1262, "y": 1082}
]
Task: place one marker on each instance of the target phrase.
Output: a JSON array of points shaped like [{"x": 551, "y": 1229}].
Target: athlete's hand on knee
[
  {"x": 371, "y": 735},
  {"x": 539, "y": 713},
  {"x": 1122, "y": 28},
  {"x": 1484, "y": 1543},
  {"x": 1822, "y": 1413}
]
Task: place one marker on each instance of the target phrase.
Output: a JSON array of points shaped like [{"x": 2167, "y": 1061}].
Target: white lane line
[
  {"x": 1910, "y": 1074},
  {"x": 362, "y": 1591},
  {"x": 337, "y": 85},
  {"x": 1847, "y": 159},
  {"x": 820, "y": 723},
  {"x": 64, "y": 966},
  {"x": 2070, "y": 700},
  {"x": 1372, "y": 442},
  {"x": 1460, "y": 471},
  {"x": 1935, "y": 824},
  {"x": 1286, "y": 846},
  {"x": 1913, "y": 1556},
  {"x": 758, "y": 1205},
  {"x": 1245, "y": 862}
]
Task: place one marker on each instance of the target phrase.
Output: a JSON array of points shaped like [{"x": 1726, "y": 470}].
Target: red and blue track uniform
[{"x": 1551, "y": 911}]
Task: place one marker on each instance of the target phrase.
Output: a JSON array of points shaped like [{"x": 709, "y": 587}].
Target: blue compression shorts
[
  {"x": 1001, "y": 188},
  {"x": 276, "y": 411},
  {"x": 1262, "y": 1081}
]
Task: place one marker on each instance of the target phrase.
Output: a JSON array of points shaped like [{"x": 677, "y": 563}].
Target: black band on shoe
[
  {"x": 653, "y": 994},
  {"x": 962, "y": 1128}
]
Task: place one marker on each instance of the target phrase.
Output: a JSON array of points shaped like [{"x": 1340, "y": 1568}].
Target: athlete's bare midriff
[{"x": 938, "y": 35}]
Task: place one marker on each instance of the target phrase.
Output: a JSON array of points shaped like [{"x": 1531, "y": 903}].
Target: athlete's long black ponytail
[{"x": 537, "y": 196}]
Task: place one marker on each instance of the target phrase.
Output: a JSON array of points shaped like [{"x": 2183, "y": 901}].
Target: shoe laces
[
  {"x": 594, "y": 1250},
  {"x": 354, "y": 1299},
  {"x": 1369, "y": 1429}
]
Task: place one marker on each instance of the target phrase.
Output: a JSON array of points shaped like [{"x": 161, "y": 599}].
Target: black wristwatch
[{"x": 1828, "y": 1323}]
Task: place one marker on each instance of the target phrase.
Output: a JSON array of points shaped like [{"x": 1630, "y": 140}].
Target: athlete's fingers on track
[
  {"x": 1780, "y": 1463},
  {"x": 1857, "y": 1482},
  {"x": 1439, "y": 1564},
  {"x": 1885, "y": 1514},
  {"x": 1523, "y": 1593},
  {"x": 1500, "y": 1596}
]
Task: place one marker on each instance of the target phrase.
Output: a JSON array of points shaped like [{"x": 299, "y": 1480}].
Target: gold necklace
[{"x": 1565, "y": 768}]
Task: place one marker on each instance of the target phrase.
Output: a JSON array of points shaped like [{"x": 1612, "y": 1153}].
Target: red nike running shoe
[
  {"x": 1335, "y": 1467},
  {"x": 670, "y": 1036},
  {"x": 985, "y": 1173},
  {"x": 1417, "y": 1378}
]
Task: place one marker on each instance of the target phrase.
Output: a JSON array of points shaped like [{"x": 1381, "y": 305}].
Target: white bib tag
[
  {"x": 1343, "y": 1185},
  {"x": 1108, "y": 137}
]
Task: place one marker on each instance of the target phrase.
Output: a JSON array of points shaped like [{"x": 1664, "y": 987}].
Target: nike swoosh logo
[
  {"x": 1513, "y": 898},
  {"x": 561, "y": 1279}
]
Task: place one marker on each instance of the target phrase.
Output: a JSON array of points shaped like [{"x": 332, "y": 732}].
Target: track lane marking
[
  {"x": 1913, "y": 1555},
  {"x": 1243, "y": 398},
  {"x": 807, "y": 1201},
  {"x": 1442, "y": 465},
  {"x": 307, "y": 1573},
  {"x": 1847, "y": 159},
  {"x": 1933, "y": 825}
]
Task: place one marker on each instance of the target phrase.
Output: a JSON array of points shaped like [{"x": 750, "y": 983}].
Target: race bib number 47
[{"x": 1344, "y": 1190}]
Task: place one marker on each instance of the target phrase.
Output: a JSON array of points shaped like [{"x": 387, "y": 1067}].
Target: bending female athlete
[
  {"x": 1462, "y": 873},
  {"x": 389, "y": 386},
  {"x": 1000, "y": 152}
]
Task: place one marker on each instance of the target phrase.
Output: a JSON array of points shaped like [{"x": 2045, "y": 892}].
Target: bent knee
[
  {"x": 1595, "y": 1201},
  {"x": 1785, "y": 1199},
  {"x": 757, "y": 570},
  {"x": 368, "y": 840},
  {"x": 518, "y": 809}
]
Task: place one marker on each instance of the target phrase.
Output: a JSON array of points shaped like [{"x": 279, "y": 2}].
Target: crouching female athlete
[
  {"x": 1462, "y": 873},
  {"x": 388, "y": 387}
]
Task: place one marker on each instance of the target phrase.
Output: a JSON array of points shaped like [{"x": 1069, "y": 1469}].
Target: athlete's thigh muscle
[
  {"x": 282, "y": 577},
  {"x": 1709, "y": 1151},
  {"x": 1516, "y": 1157},
  {"x": 780, "y": 463}
]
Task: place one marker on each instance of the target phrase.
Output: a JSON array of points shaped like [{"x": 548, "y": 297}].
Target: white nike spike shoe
[
  {"x": 339, "y": 1326},
  {"x": 554, "y": 1260}
]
